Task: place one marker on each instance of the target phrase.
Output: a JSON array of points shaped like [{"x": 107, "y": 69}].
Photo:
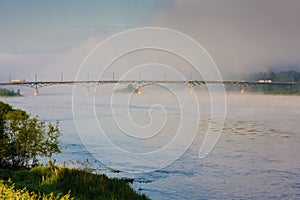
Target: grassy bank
[{"x": 65, "y": 183}]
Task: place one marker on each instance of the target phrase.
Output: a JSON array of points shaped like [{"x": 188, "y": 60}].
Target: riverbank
[{"x": 65, "y": 182}]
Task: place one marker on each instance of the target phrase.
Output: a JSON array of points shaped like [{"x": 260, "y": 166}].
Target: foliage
[
  {"x": 81, "y": 183},
  {"x": 9, "y": 192},
  {"x": 25, "y": 139},
  {"x": 283, "y": 76},
  {"x": 9, "y": 93}
]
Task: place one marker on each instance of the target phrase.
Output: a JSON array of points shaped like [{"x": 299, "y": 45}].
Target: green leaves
[
  {"x": 25, "y": 139},
  {"x": 51, "y": 143}
]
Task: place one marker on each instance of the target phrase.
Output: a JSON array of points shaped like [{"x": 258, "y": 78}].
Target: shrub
[{"x": 24, "y": 139}]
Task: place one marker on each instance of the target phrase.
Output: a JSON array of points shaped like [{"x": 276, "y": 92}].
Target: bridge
[{"x": 141, "y": 83}]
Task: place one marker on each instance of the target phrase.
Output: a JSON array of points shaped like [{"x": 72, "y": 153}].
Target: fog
[{"x": 241, "y": 36}]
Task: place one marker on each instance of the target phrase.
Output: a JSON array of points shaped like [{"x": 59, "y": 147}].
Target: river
[{"x": 256, "y": 157}]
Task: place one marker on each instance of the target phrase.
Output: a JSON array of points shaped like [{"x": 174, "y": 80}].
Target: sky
[{"x": 53, "y": 37}]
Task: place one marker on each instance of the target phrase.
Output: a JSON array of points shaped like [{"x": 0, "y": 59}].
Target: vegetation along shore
[
  {"x": 9, "y": 93},
  {"x": 24, "y": 140}
]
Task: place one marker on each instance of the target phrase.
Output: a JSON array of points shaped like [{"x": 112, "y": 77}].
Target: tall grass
[
  {"x": 8, "y": 192},
  {"x": 80, "y": 184}
]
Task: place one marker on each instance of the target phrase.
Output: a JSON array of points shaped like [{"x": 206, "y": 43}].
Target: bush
[{"x": 24, "y": 139}]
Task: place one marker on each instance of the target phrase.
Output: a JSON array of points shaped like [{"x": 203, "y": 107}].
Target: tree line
[
  {"x": 9, "y": 93},
  {"x": 282, "y": 76},
  {"x": 24, "y": 140}
]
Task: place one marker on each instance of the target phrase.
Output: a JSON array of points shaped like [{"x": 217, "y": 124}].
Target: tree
[
  {"x": 4, "y": 109},
  {"x": 6, "y": 92},
  {"x": 282, "y": 76},
  {"x": 15, "y": 130},
  {"x": 25, "y": 139},
  {"x": 51, "y": 143}
]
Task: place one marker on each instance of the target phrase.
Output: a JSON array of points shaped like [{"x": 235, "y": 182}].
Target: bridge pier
[
  {"x": 88, "y": 91},
  {"x": 191, "y": 90},
  {"x": 139, "y": 91},
  {"x": 242, "y": 90},
  {"x": 36, "y": 91}
]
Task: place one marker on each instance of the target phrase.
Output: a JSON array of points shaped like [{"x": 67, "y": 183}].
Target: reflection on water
[{"x": 257, "y": 156}]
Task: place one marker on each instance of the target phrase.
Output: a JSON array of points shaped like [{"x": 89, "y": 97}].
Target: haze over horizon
[{"x": 53, "y": 37}]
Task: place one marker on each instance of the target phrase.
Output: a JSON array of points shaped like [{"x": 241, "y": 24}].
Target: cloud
[
  {"x": 24, "y": 65},
  {"x": 241, "y": 36},
  {"x": 43, "y": 27},
  {"x": 48, "y": 66}
]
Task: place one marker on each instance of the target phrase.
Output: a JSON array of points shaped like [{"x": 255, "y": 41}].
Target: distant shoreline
[{"x": 9, "y": 93}]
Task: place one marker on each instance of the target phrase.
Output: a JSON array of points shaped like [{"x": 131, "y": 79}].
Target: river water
[{"x": 256, "y": 157}]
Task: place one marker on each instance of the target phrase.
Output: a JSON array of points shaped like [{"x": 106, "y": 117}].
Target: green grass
[{"x": 80, "y": 184}]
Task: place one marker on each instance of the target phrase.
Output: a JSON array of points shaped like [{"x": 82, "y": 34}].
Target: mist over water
[
  {"x": 161, "y": 131},
  {"x": 257, "y": 155}
]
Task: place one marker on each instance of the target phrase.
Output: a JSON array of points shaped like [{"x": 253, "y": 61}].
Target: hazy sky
[{"x": 54, "y": 36}]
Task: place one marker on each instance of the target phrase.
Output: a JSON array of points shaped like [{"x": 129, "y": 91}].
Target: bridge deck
[{"x": 37, "y": 84}]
